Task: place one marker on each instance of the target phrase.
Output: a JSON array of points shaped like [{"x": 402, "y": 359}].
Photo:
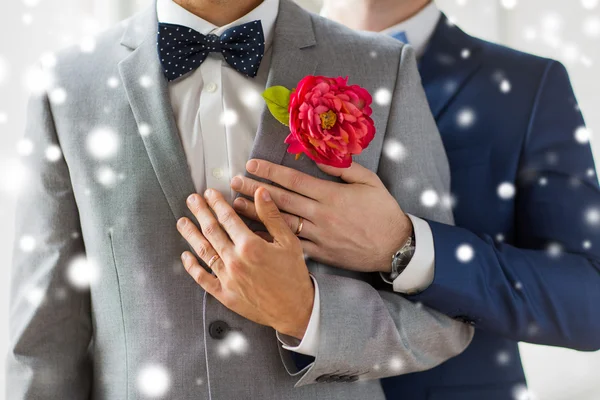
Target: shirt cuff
[
  {"x": 420, "y": 271},
  {"x": 308, "y": 344}
]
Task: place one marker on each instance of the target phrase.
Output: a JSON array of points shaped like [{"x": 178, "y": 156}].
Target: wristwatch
[{"x": 401, "y": 259}]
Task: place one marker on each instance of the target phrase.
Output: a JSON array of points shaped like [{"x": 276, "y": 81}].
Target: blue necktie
[
  {"x": 401, "y": 36},
  {"x": 182, "y": 49}
]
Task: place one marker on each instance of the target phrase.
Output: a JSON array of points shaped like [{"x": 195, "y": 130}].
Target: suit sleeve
[
  {"x": 546, "y": 288},
  {"x": 371, "y": 334},
  {"x": 50, "y": 320}
]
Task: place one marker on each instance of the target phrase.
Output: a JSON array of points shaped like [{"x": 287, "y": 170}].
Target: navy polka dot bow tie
[{"x": 182, "y": 49}]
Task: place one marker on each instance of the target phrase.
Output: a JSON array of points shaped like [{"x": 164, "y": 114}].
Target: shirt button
[
  {"x": 211, "y": 87},
  {"x": 218, "y": 330},
  {"x": 217, "y": 173}
]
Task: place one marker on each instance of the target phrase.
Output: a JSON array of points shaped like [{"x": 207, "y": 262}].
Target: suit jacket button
[{"x": 218, "y": 330}]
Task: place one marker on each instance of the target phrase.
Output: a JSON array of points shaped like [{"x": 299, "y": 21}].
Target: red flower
[{"x": 329, "y": 120}]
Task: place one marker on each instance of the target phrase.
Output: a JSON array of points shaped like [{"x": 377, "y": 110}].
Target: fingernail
[
  {"x": 236, "y": 183},
  {"x": 207, "y": 193},
  {"x": 192, "y": 199},
  {"x": 252, "y": 166},
  {"x": 239, "y": 204},
  {"x": 182, "y": 222},
  {"x": 265, "y": 195},
  {"x": 184, "y": 256}
]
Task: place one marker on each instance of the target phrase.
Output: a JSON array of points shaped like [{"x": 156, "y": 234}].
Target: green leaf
[{"x": 278, "y": 101}]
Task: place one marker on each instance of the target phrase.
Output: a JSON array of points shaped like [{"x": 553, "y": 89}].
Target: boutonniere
[{"x": 329, "y": 120}]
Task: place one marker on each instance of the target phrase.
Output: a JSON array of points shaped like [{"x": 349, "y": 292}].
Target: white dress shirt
[{"x": 218, "y": 111}]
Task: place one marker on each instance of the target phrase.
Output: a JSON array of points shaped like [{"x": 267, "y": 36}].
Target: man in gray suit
[{"x": 115, "y": 164}]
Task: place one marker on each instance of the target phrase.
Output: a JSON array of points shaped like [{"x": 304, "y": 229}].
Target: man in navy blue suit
[{"x": 523, "y": 261}]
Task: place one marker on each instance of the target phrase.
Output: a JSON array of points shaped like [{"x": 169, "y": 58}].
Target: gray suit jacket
[{"x": 143, "y": 309}]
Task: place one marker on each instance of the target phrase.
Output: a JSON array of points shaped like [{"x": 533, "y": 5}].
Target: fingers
[
  {"x": 196, "y": 239},
  {"x": 208, "y": 282},
  {"x": 285, "y": 200},
  {"x": 271, "y": 217},
  {"x": 355, "y": 174},
  {"x": 227, "y": 216},
  {"x": 291, "y": 179},
  {"x": 248, "y": 209},
  {"x": 211, "y": 229}
]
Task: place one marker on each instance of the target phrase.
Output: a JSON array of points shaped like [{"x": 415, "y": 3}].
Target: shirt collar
[
  {"x": 172, "y": 13},
  {"x": 419, "y": 28}
]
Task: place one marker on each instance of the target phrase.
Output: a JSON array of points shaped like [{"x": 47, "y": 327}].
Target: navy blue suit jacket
[{"x": 508, "y": 118}]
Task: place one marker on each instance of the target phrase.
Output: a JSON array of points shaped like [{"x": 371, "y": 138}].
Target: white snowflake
[
  {"x": 543, "y": 181},
  {"x": 24, "y": 147},
  {"x": 509, "y": 4},
  {"x": 592, "y": 216},
  {"x": 503, "y": 358},
  {"x": 144, "y": 129},
  {"x": 145, "y": 81},
  {"x": 3, "y": 118},
  {"x": 53, "y": 153},
  {"x": 448, "y": 201},
  {"x": 82, "y": 272},
  {"x": 591, "y": 26},
  {"x": 465, "y": 118},
  {"x": 88, "y": 44},
  {"x": 13, "y": 175},
  {"x": 465, "y": 53},
  {"x": 506, "y": 191},
  {"x": 48, "y": 60},
  {"x": 383, "y": 97},
  {"x": 229, "y": 117},
  {"x": 394, "y": 150},
  {"x": 199, "y": 381},
  {"x": 35, "y": 296},
  {"x": 582, "y": 135},
  {"x": 555, "y": 250},
  {"x": 252, "y": 99},
  {"x": 112, "y": 82},
  {"x": 396, "y": 364},
  {"x": 505, "y": 86},
  {"x": 27, "y": 243},
  {"x": 234, "y": 343},
  {"x": 530, "y": 33},
  {"x": 102, "y": 143},
  {"x": 520, "y": 392},
  {"x": 153, "y": 381},
  {"x": 430, "y": 198},
  {"x": 465, "y": 253},
  {"x": 518, "y": 285},
  {"x": 587, "y": 244},
  {"x": 106, "y": 176},
  {"x": 37, "y": 80},
  {"x": 58, "y": 96},
  {"x": 27, "y": 19},
  {"x": 31, "y": 3}
]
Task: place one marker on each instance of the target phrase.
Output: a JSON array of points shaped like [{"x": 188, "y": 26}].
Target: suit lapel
[
  {"x": 292, "y": 60},
  {"x": 447, "y": 65},
  {"x": 148, "y": 95}
]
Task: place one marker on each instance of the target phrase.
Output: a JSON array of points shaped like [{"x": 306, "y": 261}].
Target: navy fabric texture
[
  {"x": 182, "y": 49},
  {"x": 527, "y": 207}
]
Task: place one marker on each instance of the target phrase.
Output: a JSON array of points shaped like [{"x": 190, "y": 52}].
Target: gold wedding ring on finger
[
  {"x": 300, "y": 226},
  {"x": 213, "y": 260}
]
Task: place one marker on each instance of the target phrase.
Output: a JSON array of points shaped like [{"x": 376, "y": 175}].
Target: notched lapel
[
  {"x": 448, "y": 64},
  {"x": 148, "y": 95},
  {"x": 293, "y": 58}
]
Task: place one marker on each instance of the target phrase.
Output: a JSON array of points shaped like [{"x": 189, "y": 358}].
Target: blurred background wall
[{"x": 564, "y": 30}]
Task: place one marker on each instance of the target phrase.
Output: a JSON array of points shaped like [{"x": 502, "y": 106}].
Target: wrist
[
  {"x": 404, "y": 233},
  {"x": 300, "y": 316}
]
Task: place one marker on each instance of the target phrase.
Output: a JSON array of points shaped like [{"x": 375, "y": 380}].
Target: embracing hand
[
  {"x": 357, "y": 225},
  {"x": 266, "y": 282}
]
